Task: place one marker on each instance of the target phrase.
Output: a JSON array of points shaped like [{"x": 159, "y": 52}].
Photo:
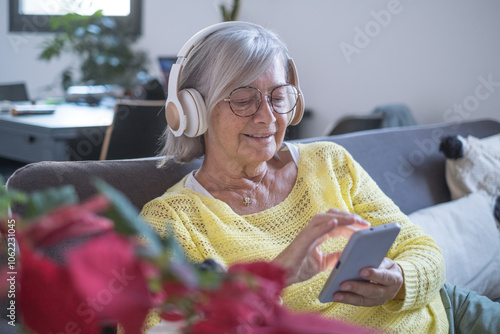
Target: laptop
[{"x": 14, "y": 92}]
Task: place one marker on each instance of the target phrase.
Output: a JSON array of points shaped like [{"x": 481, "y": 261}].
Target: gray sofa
[{"x": 405, "y": 162}]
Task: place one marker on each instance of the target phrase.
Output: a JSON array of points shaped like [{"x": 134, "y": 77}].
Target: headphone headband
[
  {"x": 200, "y": 35},
  {"x": 185, "y": 109}
]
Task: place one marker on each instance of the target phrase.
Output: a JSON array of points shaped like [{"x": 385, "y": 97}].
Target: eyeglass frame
[{"x": 268, "y": 99}]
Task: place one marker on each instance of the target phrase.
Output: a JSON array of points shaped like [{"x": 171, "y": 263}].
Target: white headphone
[{"x": 185, "y": 110}]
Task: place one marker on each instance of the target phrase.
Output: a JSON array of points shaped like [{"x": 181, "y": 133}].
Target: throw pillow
[
  {"x": 472, "y": 164},
  {"x": 466, "y": 232}
]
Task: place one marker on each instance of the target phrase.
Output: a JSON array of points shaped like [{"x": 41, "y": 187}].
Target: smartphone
[{"x": 366, "y": 248}]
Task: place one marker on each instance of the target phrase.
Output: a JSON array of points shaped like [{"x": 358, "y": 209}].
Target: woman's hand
[
  {"x": 386, "y": 283},
  {"x": 303, "y": 258}
]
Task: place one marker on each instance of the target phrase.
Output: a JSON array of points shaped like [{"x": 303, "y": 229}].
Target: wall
[{"x": 441, "y": 58}]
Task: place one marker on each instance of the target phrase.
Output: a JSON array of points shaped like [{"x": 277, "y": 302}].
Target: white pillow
[
  {"x": 477, "y": 170},
  {"x": 466, "y": 231}
]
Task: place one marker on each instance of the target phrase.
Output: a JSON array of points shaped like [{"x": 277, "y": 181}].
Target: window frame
[{"x": 40, "y": 23}]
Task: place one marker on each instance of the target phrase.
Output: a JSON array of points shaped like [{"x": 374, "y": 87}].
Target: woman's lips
[{"x": 258, "y": 136}]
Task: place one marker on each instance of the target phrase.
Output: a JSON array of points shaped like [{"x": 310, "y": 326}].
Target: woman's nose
[{"x": 266, "y": 109}]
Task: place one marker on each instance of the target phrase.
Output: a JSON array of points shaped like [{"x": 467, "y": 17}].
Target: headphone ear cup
[
  {"x": 297, "y": 112},
  {"x": 194, "y": 109}
]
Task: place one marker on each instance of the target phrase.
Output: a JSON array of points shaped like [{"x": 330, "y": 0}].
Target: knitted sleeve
[{"x": 415, "y": 252}]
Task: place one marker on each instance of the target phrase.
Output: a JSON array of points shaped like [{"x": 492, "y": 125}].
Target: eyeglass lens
[{"x": 245, "y": 101}]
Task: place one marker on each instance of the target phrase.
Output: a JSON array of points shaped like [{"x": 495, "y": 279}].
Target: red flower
[
  {"x": 113, "y": 279},
  {"x": 270, "y": 278},
  {"x": 68, "y": 222},
  {"x": 179, "y": 291},
  {"x": 249, "y": 304},
  {"x": 104, "y": 282},
  {"x": 174, "y": 290},
  {"x": 47, "y": 299}
]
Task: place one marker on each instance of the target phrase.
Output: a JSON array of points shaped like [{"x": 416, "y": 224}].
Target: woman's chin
[
  {"x": 261, "y": 152},
  {"x": 260, "y": 148}
]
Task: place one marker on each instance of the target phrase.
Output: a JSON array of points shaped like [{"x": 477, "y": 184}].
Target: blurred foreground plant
[{"x": 93, "y": 267}]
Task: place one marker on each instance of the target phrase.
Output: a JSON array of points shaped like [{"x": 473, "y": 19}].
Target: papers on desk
[{"x": 34, "y": 109}]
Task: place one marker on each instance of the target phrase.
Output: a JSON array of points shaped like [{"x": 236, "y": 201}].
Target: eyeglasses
[{"x": 245, "y": 101}]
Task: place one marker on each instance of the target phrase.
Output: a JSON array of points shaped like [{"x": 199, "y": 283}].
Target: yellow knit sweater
[{"x": 327, "y": 177}]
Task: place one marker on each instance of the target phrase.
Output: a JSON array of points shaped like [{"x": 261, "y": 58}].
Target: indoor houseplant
[{"x": 104, "y": 46}]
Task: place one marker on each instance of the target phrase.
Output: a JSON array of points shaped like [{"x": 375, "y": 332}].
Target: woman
[{"x": 258, "y": 198}]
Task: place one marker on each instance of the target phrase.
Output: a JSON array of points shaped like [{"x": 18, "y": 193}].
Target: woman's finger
[
  {"x": 330, "y": 260},
  {"x": 347, "y": 218},
  {"x": 347, "y": 223}
]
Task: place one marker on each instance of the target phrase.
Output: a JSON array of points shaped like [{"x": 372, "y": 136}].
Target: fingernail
[
  {"x": 365, "y": 273},
  {"x": 346, "y": 287},
  {"x": 352, "y": 228},
  {"x": 338, "y": 298}
]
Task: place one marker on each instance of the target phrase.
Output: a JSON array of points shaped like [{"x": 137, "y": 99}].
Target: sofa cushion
[
  {"x": 467, "y": 233},
  {"x": 477, "y": 169}
]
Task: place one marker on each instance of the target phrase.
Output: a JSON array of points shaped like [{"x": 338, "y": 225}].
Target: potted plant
[{"x": 104, "y": 46}]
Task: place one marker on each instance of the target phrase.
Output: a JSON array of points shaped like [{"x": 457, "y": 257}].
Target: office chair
[
  {"x": 136, "y": 130},
  {"x": 355, "y": 123},
  {"x": 13, "y": 92}
]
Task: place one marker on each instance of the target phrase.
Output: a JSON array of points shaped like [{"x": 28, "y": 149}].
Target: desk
[{"x": 33, "y": 138}]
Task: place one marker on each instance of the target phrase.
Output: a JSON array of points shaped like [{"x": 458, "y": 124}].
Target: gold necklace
[{"x": 247, "y": 200}]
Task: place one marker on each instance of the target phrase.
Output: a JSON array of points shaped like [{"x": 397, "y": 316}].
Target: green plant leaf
[
  {"x": 41, "y": 202},
  {"x": 52, "y": 48},
  {"x": 126, "y": 217},
  {"x": 67, "y": 78},
  {"x": 225, "y": 14},
  {"x": 232, "y": 12},
  {"x": 236, "y": 10},
  {"x": 8, "y": 198}
]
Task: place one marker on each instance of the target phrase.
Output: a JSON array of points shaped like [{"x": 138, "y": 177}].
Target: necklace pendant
[{"x": 247, "y": 201}]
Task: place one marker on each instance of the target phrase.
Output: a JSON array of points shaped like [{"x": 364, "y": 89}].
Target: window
[{"x": 33, "y": 15}]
